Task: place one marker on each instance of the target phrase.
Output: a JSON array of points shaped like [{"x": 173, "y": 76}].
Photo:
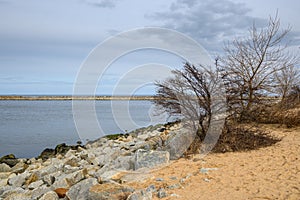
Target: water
[{"x": 28, "y": 127}]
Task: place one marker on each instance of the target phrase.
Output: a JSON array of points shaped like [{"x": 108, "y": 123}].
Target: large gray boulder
[
  {"x": 80, "y": 190},
  {"x": 179, "y": 142},
  {"x": 148, "y": 159}
]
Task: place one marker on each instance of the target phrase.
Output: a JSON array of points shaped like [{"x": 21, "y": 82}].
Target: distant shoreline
[{"x": 70, "y": 97}]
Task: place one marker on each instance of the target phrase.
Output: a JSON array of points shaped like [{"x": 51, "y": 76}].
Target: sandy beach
[{"x": 267, "y": 173}]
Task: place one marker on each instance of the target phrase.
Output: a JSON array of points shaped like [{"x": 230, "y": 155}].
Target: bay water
[{"x": 28, "y": 127}]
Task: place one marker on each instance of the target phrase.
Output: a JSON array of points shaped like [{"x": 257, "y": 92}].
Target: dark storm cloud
[
  {"x": 210, "y": 22},
  {"x": 102, "y": 3}
]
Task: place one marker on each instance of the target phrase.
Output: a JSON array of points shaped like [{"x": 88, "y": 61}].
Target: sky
[{"x": 44, "y": 44}]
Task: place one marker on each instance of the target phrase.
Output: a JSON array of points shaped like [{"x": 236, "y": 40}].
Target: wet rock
[
  {"x": 59, "y": 149},
  {"x": 51, "y": 195},
  {"x": 80, "y": 190},
  {"x": 140, "y": 195},
  {"x": 10, "y": 160},
  {"x": 109, "y": 191},
  {"x": 47, "y": 153},
  {"x": 150, "y": 159},
  {"x": 4, "y": 168}
]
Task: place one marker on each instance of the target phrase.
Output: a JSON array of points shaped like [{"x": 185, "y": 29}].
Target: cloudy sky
[{"x": 43, "y": 44}]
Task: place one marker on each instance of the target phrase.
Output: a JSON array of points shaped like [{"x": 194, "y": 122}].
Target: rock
[
  {"x": 38, "y": 192},
  {"x": 141, "y": 176},
  {"x": 140, "y": 195},
  {"x": 35, "y": 184},
  {"x": 70, "y": 154},
  {"x": 80, "y": 190},
  {"x": 110, "y": 175},
  {"x": 18, "y": 196},
  {"x": 51, "y": 195},
  {"x": 32, "y": 178},
  {"x": 11, "y": 175},
  {"x": 150, "y": 158},
  {"x": 59, "y": 149},
  {"x": 4, "y": 189},
  {"x": 62, "y": 148},
  {"x": 151, "y": 188},
  {"x": 4, "y": 168},
  {"x": 159, "y": 179},
  {"x": 19, "y": 167},
  {"x": 4, "y": 175},
  {"x": 61, "y": 192},
  {"x": 73, "y": 162},
  {"x": 49, "y": 179},
  {"x": 123, "y": 163},
  {"x": 174, "y": 186},
  {"x": 109, "y": 191},
  {"x": 179, "y": 142},
  {"x": 10, "y": 191},
  {"x": 3, "y": 182},
  {"x": 10, "y": 160},
  {"x": 18, "y": 180},
  {"x": 69, "y": 169},
  {"x": 48, "y": 170},
  {"x": 206, "y": 170},
  {"x": 161, "y": 193},
  {"x": 68, "y": 180},
  {"x": 47, "y": 153}
]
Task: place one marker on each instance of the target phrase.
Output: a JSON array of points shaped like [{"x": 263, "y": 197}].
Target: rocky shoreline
[{"x": 102, "y": 169}]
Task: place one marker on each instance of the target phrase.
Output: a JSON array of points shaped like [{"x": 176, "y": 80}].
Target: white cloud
[{"x": 102, "y": 3}]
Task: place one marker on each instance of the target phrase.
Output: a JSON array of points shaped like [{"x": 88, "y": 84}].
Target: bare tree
[
  {"x": 249, "y": 65},
  {"x": 187, "y": 93},
  {"x": 286, "y": 78}
]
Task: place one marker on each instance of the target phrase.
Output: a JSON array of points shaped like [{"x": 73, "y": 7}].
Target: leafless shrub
[
  {"x": 250, "y": 65},
  {"x": 188, "y": 94}
]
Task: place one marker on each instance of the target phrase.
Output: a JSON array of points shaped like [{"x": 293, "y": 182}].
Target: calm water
[{"x": 28, "y": 127}]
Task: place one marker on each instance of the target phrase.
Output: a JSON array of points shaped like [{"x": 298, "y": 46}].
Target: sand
[{"x": 267, "y": 173}]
